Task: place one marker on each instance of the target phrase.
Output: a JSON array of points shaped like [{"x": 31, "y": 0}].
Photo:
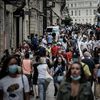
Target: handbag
[
  {"x": 48, "y": 79},
  {"x": 60, "y": 78}
]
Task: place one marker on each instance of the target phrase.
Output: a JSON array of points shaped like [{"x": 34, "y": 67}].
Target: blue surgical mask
[
  {"x": 75, "y": 78},
  {"x": 13, "y": 69}
]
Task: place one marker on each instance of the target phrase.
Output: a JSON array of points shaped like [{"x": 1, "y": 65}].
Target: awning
[{"x": 56, "y": 14}]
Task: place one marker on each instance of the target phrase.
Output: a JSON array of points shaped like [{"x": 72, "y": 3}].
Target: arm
[
  {"x": 91, "y": 97},
  {"x": 32, "y": 68},
  {"x": 27, "y": 96},
  {"x": 59, "y": 96},
  {"x": 1, "y": 95},
  {"x": 89, "y": 89},
  {"x": 1, "y": 90},
  {"x": 26, "y": 88}
]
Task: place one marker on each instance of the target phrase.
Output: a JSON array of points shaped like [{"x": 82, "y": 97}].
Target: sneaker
[
  {"x": 55, "y": 93},
  {"x": 37, "y": 97},
  {"x": 31, "y": 93}
]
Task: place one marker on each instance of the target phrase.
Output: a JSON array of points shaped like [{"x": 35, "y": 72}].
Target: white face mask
[{"x": 75, "y": 78}]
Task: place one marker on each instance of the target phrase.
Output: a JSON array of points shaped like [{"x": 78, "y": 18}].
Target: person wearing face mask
[
  {"x": 75, "y": 86},
  {"x": 13, "y": 85}
]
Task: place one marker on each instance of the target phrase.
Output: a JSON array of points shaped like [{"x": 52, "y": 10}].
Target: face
[
  {"x": 93, "y": 38},
  {"x": 75, "y": 70},
  {"x": 13, "y": 67},
  {"x": 59, "y": 59}
]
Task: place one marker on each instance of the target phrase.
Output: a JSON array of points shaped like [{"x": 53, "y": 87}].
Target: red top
[
  {"x": 54, "y": 50},
  {"x": 68, "y": 56}
]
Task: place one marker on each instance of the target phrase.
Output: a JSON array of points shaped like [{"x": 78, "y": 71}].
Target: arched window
[{"x": 86, "y": 12}]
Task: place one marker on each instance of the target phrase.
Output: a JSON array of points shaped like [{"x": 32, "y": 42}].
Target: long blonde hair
[{"x": 42, "y": 60}]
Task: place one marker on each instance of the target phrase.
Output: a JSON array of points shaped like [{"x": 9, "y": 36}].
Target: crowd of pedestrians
[{"x": 71, "y": 59}]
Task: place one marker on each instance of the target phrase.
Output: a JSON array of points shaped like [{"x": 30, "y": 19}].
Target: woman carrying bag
[
  {"x": 13, "y": 85},
  {"x": 42, "y": 78}
]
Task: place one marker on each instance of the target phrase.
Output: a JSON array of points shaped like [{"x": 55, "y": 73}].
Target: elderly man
[{"x": 89, "y": 61}]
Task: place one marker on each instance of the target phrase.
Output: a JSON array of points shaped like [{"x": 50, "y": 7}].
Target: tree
[{"x": 67, "y": 21}]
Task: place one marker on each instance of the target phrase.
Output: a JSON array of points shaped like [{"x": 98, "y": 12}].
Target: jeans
[{"x": 42, "y": 88}]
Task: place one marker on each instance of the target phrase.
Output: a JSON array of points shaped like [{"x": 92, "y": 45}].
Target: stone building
[
  {"x": 22, "y": 18},
  {"x": 36, "y": 17},
  {"x": 10, "y": 24},
  {"x": 82, "y": 11},
  {"x": 1, "y": 27},
  {"x": 55, "y": 12}
]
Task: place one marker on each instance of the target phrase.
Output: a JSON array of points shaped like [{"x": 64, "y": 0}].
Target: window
[
  {"x": 71, "y": 5},
  {"x": 79, "y": 13},
  {"x": 72, "y": 13},
  {"x": 75, "y": 13},
  {"x": 90, "y": 12},
  {"x": 86, "y": 12},
  {"x": 94, "y": 12},
  {"x": 75, "y": 20},
  {"x": 90, "y": 4},
  {"x": 75, "y": 4}
]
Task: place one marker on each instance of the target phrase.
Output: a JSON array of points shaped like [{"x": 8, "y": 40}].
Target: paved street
[{"x": 50, "y": 93}]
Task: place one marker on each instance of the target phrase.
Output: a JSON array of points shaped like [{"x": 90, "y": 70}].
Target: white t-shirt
[
  {"x": 13, "y": 87},
  {"x": 42, "y": 70},
  {"x": 84, "y": 45}
]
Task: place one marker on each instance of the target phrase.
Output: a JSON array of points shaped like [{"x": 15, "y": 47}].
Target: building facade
[
  {"x": 10, "y": 24},
  {"x": 7, "y": 36},
  {"x": 1, "y": 27},
  {"x": 55, "y": 16},
  {"x": 82, "y": 11},
  {"x": 22, "y": 18},
  {"x": 35, "y": 17}
]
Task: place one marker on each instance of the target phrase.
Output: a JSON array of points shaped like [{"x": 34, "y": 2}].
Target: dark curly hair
[
  {"x": 56, "y": 62},
  {"x": 4, "y": 71}
]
